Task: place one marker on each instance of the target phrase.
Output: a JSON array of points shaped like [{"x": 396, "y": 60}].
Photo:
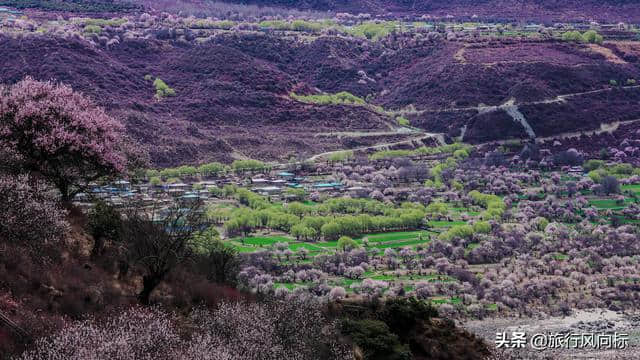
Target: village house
[
  {"x": 575, "y": 170},
  {"x": 327, "y": 186},
  {"x": 286, "y": 175},
  {"x": 122, "y": 185},
  {"x": 268, "y": 190},
  {"x": 358, "y": 192}
]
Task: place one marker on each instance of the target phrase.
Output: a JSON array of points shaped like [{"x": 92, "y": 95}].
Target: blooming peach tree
[{"x": 60, "y": 135}]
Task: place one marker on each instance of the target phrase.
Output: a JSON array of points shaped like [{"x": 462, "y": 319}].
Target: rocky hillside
[{"x": 227, "y": 94}]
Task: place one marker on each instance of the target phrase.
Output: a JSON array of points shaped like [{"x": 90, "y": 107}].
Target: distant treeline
[
  {"x": 337, "y": 5},
  {"x": 72, "y": 5}
]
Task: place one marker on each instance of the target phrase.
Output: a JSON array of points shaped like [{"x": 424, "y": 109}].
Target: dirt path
[
  {"x": 439, "y": 138},
  {"x": 604, "y": 128},
  {"x": 481, "y": 108},
  {"x": 364, "y": 133},
  {"x": 587, "y": 321}
]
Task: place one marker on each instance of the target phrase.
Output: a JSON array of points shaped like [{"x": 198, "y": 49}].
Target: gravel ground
[{"x": 596, "y": 321}]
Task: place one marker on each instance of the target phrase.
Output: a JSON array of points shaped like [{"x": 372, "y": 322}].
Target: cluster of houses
[
  {"x": 121, "y": 192},
  {"x": 274, "y": 186}
]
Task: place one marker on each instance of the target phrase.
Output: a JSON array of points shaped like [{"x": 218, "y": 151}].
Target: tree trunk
[
  {"x": 149, "y": 283},
  {"x": 98, "y": 247},
  {"x": 63, "y": 187}
]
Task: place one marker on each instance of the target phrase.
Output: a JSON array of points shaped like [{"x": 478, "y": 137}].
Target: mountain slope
[{"x": 233, "y": 91}]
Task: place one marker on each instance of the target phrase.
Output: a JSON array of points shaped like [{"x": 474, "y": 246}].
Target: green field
[
  {"x": 559, "y": 256},
  {"x": 634, "y": 188},
  {"x": 446, "y": 300},
  {"x": 263, "y": 241},
  {"x": 401, "y": 235},
  {"x": 441, "y": 224},
  {"x": 308, "y": 246},
  {"x": 609, "y": 203},
  {"x": 401, "y": 244}
]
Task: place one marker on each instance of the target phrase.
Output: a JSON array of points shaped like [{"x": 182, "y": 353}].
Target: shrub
[
  {"x": 461, "y": 154},
  {"x": 574, "y": 36},
  {"x": 213, "y": 168},
  {"x": 337, "y": 293},
  {"x": 162, "y": 89},
  {"x": 341, "y": 156},
  {"x": 569, "y": 157},
  {"x": 622, "y": 169},
  {"x": 29, "y": 215},
  {"x": 341, "y": 98},
  {"x": 593, "y": 164},
  {"x": 610, "y": 185},
  {"x": 104, "y": 223},
  {"x": 481, "y": 227},
  {"x": 375, "y": 339},
  {"x": 248, "y": 165},
  {"x": 92, "y": 29},
  {"x": 217, "y": 260},
  {"x": 402, "y": 121},
  {"x": 402, "y": 314},
  {"x": 373, "y": 30},
  {"x": 457, "y": 231},
  {"x": 155, "y": 181},
  {"x": 598, "y": 174},
  {"x": 346, "y": 243},
  {"x": 592, "y": 37}
]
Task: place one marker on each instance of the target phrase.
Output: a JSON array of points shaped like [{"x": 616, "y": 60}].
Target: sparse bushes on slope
[
  {"x": 233, "y": 331},
  {"x": 341, "y": 156},
  {"x": 459, "y": 150},
  {"x": 340, "y": 98}
]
